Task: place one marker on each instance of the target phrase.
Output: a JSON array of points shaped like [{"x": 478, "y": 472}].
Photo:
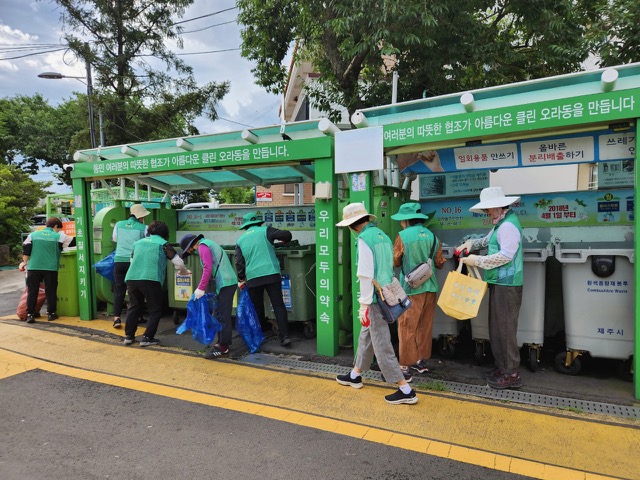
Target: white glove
[
  {"x": 470, "y": 260},
  {"x": 199, "y": 293},
  {"x": 466, "y": 246},
  {"x": 363, "y": 315}
]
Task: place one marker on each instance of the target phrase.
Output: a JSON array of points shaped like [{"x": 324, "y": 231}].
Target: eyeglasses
[{"x": 486, "y": 210}]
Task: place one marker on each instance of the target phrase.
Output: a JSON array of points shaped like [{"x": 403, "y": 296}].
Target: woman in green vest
[
  {"x": 217, "y": 276},
  {"x": 414, "y": 245},
  {"x": 144, "y": 281},
  {"x": 41, "y": 259},
  {"x": 374, "y": 258},
  {"x": 503, "y": 265},
  {"x": 258, "y": 266},
  {"x": 125, "y": 234}
]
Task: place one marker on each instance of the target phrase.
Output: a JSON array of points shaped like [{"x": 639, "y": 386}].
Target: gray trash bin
[
  {"x": 445, "y": 328},
  {"x": 598, "y": 295}
]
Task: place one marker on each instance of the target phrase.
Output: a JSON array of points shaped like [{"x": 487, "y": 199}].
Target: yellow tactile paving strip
[{"x": 499, "y": 437}]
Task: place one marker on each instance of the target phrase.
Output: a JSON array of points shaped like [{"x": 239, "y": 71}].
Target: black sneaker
[
  {"x": 149, "y": 342},
  {"x": 218, "y": 351},
  {"x": 347, "y": 380},
  {"x": 117, "y": 322},
  {"x": 505, "y": 381},
  {"x": 128, "y": 340},
  {"x": 493, "y": 373},
  {"x": 398, "y": 397},
  {"x": 406, "y": 374},
  {"x": 30, "y": 319},
  {"x": 52, "y": 316},
  {"x": 285, "y": 341},
  {"x": 420, "y": 367},
  {"x": 142, "y": 320}
]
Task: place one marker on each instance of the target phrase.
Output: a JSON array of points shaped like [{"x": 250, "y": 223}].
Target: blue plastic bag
[
  {"x": 200, "y": 321},
  {"x": 105, "y": 266},
  {"x": 247, "y": 322}
]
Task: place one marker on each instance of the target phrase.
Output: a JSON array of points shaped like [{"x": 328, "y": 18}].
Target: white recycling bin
[{"x": 598, "y": 295}]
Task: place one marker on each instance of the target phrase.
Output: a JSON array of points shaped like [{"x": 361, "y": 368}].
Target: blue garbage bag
[
  {"x": 105, "y": 266},
  {"x": 247, "y": 322},
  {"x": 200, "y": 320}
]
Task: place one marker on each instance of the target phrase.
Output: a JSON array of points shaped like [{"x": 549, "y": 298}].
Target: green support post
[
  {"x": 363, "y": 181},
  {"x": 636, "y": 270},
  {"x": 327, "y": 294},
  {"x": 82, "y": 213}
]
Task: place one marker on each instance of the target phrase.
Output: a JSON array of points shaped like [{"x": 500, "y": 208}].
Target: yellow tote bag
[{"x": 461, "y": 294}]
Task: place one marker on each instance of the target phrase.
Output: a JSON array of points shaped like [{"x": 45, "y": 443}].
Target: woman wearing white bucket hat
[
  {"x": 503, "y": 267},
  {"x": 374, "y": 253}
]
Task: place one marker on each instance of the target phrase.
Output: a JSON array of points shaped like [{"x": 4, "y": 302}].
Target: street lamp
[{"x": 58, "y": 76}]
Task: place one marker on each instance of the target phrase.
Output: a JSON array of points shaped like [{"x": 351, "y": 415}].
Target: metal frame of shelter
[
  {"x": 566, "y": 104},
  {"x": 260, "y": 156}
]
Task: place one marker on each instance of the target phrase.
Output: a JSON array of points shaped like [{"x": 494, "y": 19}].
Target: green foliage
[
  {"x": 190, "y": 196},
  {"x": 19, "y": 196},
  {"x": 236, "y": 195}
]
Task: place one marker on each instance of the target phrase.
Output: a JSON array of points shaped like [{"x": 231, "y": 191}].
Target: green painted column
[
  {"x": 82, "y": 214},
  {"x": 636, "y": 270},
  {"x": 360, "y": 190},
  {"x": 327, "y": 294}
]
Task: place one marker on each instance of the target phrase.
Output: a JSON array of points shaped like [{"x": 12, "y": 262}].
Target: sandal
[{"x": 216, "y": 352}]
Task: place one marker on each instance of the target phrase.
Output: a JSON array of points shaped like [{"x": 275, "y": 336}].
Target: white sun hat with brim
[
  {"x": 492, "y": 197},
  {"x": 352, "y": 213},
  {"x": 139, "y": 211}
]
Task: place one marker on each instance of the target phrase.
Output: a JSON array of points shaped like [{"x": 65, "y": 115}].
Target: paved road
[{"x": 87, "y": 401}]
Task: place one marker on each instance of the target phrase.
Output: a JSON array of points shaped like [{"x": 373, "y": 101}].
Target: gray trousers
[
  {"x": 376, "y": 340},
  {"x": 504, "y": 308}
]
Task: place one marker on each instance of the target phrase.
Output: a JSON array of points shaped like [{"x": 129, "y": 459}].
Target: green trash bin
[
  {"x": 68, "y": 285},
  {"x": 181, "y": 287}
]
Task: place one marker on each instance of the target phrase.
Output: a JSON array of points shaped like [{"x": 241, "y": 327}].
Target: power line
[
  {"x": 205, "y": 16},
  {"x": 202, "y": 53},
  {"x": 210, "y": 26},
  {"x": 36, "y": 53}
]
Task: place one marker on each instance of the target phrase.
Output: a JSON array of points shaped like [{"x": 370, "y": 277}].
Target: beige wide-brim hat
[
  {"x": 352, "y": 213},
  {"x": 492, "y": 197},
  {"x": 139, "y": 211}
]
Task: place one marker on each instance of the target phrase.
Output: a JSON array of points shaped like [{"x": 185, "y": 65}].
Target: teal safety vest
[
  {"x": 382, "y": 248},
  {"x": 509, "y": 274},
  {"x": 128, "y": 232},
  {"x": 259, "y": 255},
  {"x": 226, "y": 275},
  {"x": 417, "y": 241},
  {"x": 45, "y": 250},
  {"x": 149, "y": 262}
]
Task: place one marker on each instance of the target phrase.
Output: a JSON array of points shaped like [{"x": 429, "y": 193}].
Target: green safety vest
[
  {"x": 45, "y": 250},
  {"x": 259, "y": 255},
  {"x": 128, "y": 232},
  {"x": 382, "y": 248},
  {"x": 417, "y": 241},
  {"x": 149, "y": 262},
  {"x": 509, "y": 274},
  {"x": 226, "y": 275}
]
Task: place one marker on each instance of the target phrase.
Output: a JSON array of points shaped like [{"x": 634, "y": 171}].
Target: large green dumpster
[
  {"x": 68, "y": 285},
  {"x": 181, "y": 287}
]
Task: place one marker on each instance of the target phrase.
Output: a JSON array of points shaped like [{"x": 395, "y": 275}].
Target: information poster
[{"x": 284, "y": 217}]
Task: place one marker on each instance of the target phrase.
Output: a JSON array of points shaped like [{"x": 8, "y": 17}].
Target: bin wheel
[
  {"x": 533, "y": 359},
  {"x": 309, "y": 329},
  {"x": 572, "y": 369},
  {"x": 479, "y": 356},
  {"x": 176, "y": 316},
  {"x": 625, "y": 370},
  {"x": 447, "y": 347}
]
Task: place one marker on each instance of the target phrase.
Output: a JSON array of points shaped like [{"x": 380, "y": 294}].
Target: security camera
[{"x": 68, "y": 167}]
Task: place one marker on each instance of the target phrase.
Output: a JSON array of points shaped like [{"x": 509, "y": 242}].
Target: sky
[{"x": 29, "y": 22}]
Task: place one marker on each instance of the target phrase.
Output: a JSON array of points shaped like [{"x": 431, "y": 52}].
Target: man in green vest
[
  {"x": 144, "y": 281},
  {"x": 258, "y": 267},
  {"x": 503, "y": 265},
  {"x": 41, "y": 259},
  {"x": 125, "y": 234},
  {"x": 374, "y": 258},
  {"x": 415, "y": 245},
  {"x": 217, "y": 276}
]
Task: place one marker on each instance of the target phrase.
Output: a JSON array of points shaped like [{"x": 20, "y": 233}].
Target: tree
[
  {"x": 123, "y": 38},
  {"x": 437, "y": 47},
  {"x": 236, "y": 195},
  {"x": 19, "y": 196}
]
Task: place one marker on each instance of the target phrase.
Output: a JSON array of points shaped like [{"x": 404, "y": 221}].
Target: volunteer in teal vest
[
  {"x": 125, "y": 234},
  {"x": 415, "y": 244},
  {"x": 41, "y": 259},
  {"x": 217, "y": 276},
  {"x": 259, "y": 268},
  {"x": 144, "y": 281},
  {"x": 503, "y": 267},
  {"x": 374, "y": 258}
]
